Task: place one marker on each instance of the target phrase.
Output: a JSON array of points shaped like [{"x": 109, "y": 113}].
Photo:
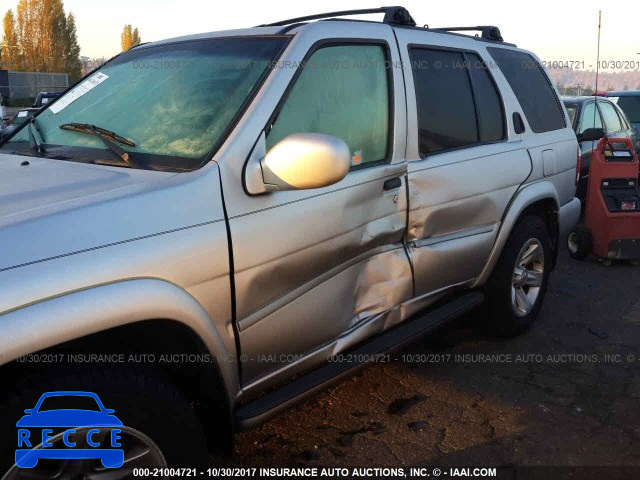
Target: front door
[{"x": 316, "y": 271}]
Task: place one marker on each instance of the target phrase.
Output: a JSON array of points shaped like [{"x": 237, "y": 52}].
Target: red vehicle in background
[{"x": 611, "y": 228}]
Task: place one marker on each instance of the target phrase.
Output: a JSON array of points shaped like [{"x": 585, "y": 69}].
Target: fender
[
  {"x": 80, "y": 313},
  {"x": 526, "y": 196}
]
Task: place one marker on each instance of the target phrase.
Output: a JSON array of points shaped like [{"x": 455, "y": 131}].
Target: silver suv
[{"x": 209, "y": 228}]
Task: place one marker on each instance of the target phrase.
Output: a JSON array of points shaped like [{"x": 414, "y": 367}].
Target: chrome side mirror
[{"x": 299, "y": 161}]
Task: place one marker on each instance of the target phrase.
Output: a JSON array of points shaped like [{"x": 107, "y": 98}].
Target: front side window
[
  {"x": 444, "y": 100},
  {"x": 343, "y": 91},
  {"x": 590, "y": 118},
  {"x": 174, "y": 102},
  {"x": 531, "y": 87},
  {"x": 610, "y": 117}
]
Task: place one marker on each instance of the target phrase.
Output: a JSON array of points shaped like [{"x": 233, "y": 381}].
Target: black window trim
[
  {"x": 463, "y": 51},
  {"x": 347, "y": 42}
]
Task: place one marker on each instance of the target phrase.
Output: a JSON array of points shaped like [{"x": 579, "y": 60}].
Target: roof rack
[
  {"x": 396, "y": 15},
  {"x": 393, "y": 15},
  {"x": 488, "y": 32}
]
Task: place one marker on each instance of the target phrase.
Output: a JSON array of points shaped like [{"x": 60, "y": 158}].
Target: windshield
[
  {"x": 175, "y": 102},
  {"x": 69, "y": 402},
  {"x": 21, "y": 117}
]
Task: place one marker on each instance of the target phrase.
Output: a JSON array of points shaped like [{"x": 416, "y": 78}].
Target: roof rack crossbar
[
  {"x": 395, "y": 15},
  {"x": 488, "y": 32}
]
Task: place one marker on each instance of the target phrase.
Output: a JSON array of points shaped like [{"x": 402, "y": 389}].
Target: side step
[{"x": 258, "y": 411}]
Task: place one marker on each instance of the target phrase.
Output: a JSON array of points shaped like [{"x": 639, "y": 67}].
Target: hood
[
  {"x": 53, "y": 208},
  {"x": 47, "y": 186}
]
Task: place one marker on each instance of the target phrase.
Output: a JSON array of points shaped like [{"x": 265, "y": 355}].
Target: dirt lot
[{"x": 440, "y": 403}]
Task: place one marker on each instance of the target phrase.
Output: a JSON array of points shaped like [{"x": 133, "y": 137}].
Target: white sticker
[
  {"x": 45, "y": 100},
  {"x": 22, "y": 114},
  {"x": 78, "y": 91}
]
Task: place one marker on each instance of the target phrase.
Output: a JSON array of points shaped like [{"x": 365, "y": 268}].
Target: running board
[{"x": 258, "y": 411}]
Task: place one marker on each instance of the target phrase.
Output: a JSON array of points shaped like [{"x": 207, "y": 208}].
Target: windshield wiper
[
  {"x": 33, "y": 142},
  {"x": 107, "y": 136}
]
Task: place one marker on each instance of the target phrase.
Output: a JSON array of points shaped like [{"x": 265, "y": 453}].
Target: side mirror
[
  {"x": 305, "y": 160},
  {"x": 591, "y": 134},
  {"x": 29, "y": 411}
]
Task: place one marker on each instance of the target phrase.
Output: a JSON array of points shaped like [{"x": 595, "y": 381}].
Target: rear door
[{"x": 465, "y": 161}]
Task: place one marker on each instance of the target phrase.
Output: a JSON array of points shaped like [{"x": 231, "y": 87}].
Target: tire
[
  {"x": 507, "y": 312},
  {"x": 148, "y": 406},
  {"x": 579, "y": 242}
]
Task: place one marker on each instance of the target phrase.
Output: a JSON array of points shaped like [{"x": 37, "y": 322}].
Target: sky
[{"x": 555, "y": 30}]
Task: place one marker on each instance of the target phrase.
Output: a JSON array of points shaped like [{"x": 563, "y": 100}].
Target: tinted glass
[
  {"x": 532, "y": 88},
  {"x": 572, "y": 110},
  {"x": 342, "y": 91},
  {"x": 446, "y": 111},
  {"x": 175, "y": 101},
  {"x": 623, "y": 119},
  {"x": 490, "y": 115},
  {"x": 590, "y": 118},
  {"x": 631, "y": 107},
  {"x": 610, "y": 117}
]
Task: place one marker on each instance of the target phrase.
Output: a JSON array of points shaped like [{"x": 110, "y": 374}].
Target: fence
[{"x": 19, "y": 85}]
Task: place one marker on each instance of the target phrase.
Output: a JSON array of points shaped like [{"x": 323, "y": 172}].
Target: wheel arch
[
  {"x": 541, "y": 199},
  {"x": 146, "y": 316}
]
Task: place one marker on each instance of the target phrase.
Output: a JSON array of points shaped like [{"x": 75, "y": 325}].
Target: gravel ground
[{"x": 573, "y": 402}]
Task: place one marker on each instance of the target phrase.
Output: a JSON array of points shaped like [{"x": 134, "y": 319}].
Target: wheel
[
  {"x": 160, "y": 429},
  {"x": 579, "y": 242},
  {"x": 517, "y": 286}
]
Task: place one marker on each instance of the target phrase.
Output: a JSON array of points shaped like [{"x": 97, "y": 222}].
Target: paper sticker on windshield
[
  {"x": 89, "y": 84},
  {"x": 22, "y": 114}
]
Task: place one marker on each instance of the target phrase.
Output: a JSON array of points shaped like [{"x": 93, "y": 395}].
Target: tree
[
  {"x": 72, "y": 49},
  {"x": 12, "y": 58},
  {"x": 129, "y": 37},
  {"x": 41, "y": 37}
]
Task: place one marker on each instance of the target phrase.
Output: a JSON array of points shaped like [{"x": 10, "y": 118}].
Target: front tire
[{"x": 517, "y": 286}]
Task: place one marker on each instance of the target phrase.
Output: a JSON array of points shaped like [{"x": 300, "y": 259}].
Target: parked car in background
[
  {"x": 309, "y": 219},
  {"x": 18, "y": 119},
  {"x": 629, "y": 103},
  {"x": 587, "y": 116},
  {"x": 45, "y": 98}
]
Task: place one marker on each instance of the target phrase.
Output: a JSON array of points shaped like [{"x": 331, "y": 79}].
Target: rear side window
[
  {"x": 630, "y": 106},
  {"x": 610, "y": 117},
  {"x": 532, "y": 88},
  {"x": 446, "y": 111},
  {"x": 490, "y": 114}
]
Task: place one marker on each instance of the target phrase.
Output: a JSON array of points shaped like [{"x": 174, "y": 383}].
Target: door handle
[{"x": 392, "y": 184}]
